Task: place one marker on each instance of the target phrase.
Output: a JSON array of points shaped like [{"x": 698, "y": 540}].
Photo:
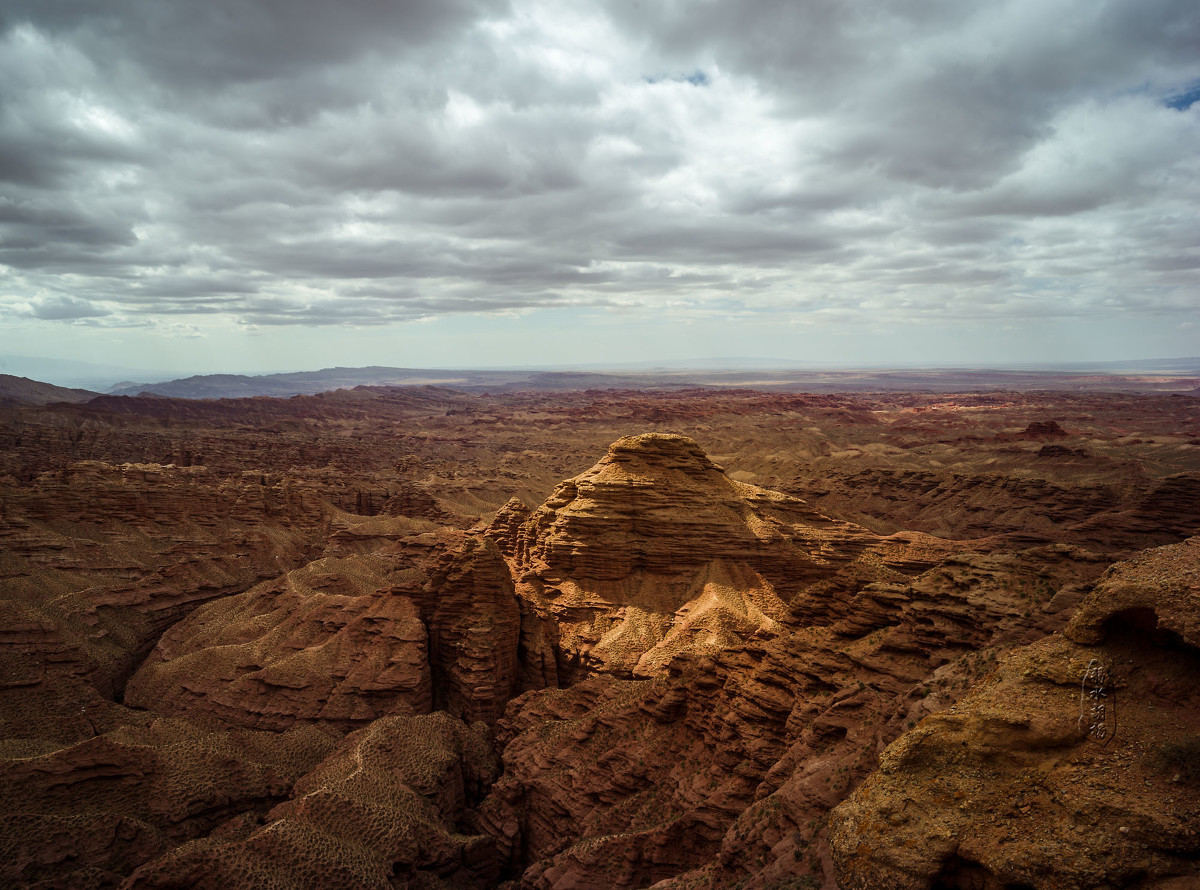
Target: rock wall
[
  {"x": 1075, "y": 764},
  {"x": 721, "y": 769},
  {"x": 474, "y": 623}
]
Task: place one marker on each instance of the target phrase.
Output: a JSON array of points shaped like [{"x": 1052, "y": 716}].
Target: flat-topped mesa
[{"x": 654, "y": 550}]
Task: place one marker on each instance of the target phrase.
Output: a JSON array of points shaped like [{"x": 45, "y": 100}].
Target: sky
[{"x": 271, "y": 185}]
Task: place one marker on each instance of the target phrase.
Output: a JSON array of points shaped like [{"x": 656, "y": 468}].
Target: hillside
[{"x": 24, "y": 391}]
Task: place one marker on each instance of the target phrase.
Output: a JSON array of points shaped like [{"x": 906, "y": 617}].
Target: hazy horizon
[
  {"x": 99, "y": 377},
  {"x": 252, "y": 187}
]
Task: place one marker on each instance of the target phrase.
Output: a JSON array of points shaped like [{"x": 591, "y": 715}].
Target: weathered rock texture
[
  {"x": 655, "y": 551},
  {"x": 722, "y": 770},
  {"x": 1075, "y": 764},
  {"x": 425, "y": 621},
  {"x": 87, "y": 814},
  {"x": 735, "y": 661},
  {"x": 474, "y": 625},
  {"x": 327, "y": 643},
  {"x": 96, "y": 560},
  {"x": 385, "y": 810}
]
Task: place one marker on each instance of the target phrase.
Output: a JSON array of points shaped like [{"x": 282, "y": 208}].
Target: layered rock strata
[
  {"x": 88, "y": 813},
  {"x": 655, "y": 551},
  {"x": 327, "y": 643},
  {"x": 96, "y": 560},
  {"x": 429, "y": 620},
  {"x": 474, "y": 623},
  {"x": 1112, "y": 508},
  {"x": 720, "y": 770}
]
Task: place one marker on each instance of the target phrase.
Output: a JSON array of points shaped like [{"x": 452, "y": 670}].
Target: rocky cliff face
[
  {"x": 722, "y": 769},
  {"x": 655, "y": 551},
  {"x": 1074, "y": 764},
  {"x": 474, "y": 625}
]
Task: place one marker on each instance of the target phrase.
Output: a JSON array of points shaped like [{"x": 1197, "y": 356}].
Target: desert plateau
[{"x": 687, "y": 637}]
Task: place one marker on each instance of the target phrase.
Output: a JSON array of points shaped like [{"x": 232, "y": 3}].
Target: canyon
[{"x": 698, "y": 637}]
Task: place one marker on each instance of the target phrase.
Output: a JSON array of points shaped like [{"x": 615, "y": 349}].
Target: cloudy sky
[{"x": 258, "y": 185}]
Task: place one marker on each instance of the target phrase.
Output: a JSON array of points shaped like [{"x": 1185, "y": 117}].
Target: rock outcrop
[
  {"x": 721, "y": 769},
  {"x": 87, "y": 814},
  {"x": 428, "y": 620},
  {"x": 1075, "y": 764},
  {"x": 655, "y": 551},
  {"x": 386, "y": 809},
  {"x": 474, "y": 624},
  {"x": 328, "y": 643}
]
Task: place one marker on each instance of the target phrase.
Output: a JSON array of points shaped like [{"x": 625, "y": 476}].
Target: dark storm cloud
[
  {"x": 725, "y": 242},
  {"x": 309, "y": 163},
  {"x": 197, "y": 46},
  {"x": 26, "y": 232},
  {"x": 385, "y": 307},
  {"x": 60, "y": 308}
]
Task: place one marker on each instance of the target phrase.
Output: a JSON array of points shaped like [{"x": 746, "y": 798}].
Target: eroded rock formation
[
  {"x": 327, "y": 643},
  {"x": 1075, "y": 764},
  {"x": 684, "y": 671},
  {"x": 87, "y": 814},
  {"x": 474, "y": 625},
  {"x": 722, "y": 770},
  {"x": 386, "y": 809},
  {"x": 425, "y": 620},
  {"x": 655, "y": 551}
]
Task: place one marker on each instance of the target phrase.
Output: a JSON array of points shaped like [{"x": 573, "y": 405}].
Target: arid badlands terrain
[{"x": 392, "y": 637}]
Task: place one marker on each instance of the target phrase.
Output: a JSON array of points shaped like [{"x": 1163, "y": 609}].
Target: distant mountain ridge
[
  {"x": 34, "y": 392},
  {"x": 212, "y": 386},
  {"x": 1175, "y": 375},
  {"x": 217, "y": 386}
]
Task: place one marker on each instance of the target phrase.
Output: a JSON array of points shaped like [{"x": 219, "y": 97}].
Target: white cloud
[{"x": 899, "y": 162}]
